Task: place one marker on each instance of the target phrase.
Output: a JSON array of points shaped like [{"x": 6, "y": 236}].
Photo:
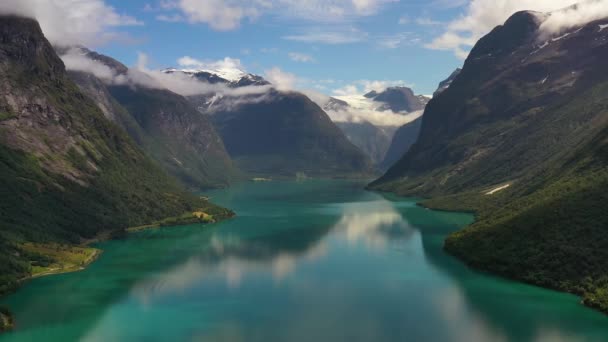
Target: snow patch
[
  {"x": 561, "y": 37},
  {"x": 495, "y": 190},
  {"x": 602, "y": 27}
]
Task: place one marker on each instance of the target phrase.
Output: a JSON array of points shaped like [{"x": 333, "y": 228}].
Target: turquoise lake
[{"x": 302, "y": 261}]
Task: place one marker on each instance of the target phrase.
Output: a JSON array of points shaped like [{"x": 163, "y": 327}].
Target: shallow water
[{"x": 303, "y": 261}]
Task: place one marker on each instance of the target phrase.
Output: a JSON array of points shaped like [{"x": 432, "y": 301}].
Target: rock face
[
  {"x": 520, "y": 136},
  {"x": 67, "y": 172},
  {"x": 166, "y": 125},
  {"x": 286, "y": 134},
  {"x": 445, "y": 84},
  {"x": 374, "y": 141},
  {"x": 402, "y": 141}
]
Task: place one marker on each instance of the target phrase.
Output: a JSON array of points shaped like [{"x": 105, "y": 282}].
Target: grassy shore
[
  {"x": 54, "y": 258},
  {"x": 200, "y": 216},
  {"x": 46, "y": 259},
  {"x": 6, "y": 320}
]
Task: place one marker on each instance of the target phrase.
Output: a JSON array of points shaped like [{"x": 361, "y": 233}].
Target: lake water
[{"x": 303, "y": 261}]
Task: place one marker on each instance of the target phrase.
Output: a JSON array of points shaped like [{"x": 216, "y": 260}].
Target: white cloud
[
  {"x": 567, "y": 18},
  {"x": 404, "y": 20},
  {"x": 425, "y": 21},
  {"x": 330, "y": 36},
  {"x": 218, "y": 14},
  {"x": 280, "y": 79},
  {"x": 170, "y": 18},
  {"x": 76, "y": 61},
  {"x": 481, "y": 16},
  {"x": 397, "y": 40},
  {"x": 70, "y": 22},
  {"x": 229, "y": 14},
  {"x": 226, "y": 63},
  {"x": 361, "y": 87},
  {"x": 300, "y": 57}
]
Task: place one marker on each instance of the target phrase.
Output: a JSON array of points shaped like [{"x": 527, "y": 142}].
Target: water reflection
[{"x": 375, "y": 223}]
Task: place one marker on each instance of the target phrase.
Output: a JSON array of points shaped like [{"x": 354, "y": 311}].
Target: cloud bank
[
  {"x": 72, "y": 22},
  {"x": 481, "y": 16}
]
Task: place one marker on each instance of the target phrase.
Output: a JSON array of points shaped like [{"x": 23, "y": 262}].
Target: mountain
[
  {"x": 231, "y": 76},
  {"x": 67, "y": 172},
  {"x": 403, "y": 139},
  {"x": 445, "y": 84},
  {"x": 520, "y": 137},
  {"x": 164, "y": 124},
  {"x": 399, "y": 99},
  {"x": 275, "y": 133},
  {"x": 284, "y": 134}
]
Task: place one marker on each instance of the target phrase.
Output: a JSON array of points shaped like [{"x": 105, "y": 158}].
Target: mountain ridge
[
  {"x": 164, "y": 124},
  {"x": 519, "y": 137},
  {"x": 67, "y": 171}
]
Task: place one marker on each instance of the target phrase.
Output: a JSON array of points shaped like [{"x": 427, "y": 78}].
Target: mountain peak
[
  {"x": 22, "y": 42},
  {"x": 520, "y": 28},
  {"x": 398, "y": 99}
]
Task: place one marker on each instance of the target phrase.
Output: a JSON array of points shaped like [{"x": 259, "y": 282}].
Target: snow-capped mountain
[{"x": 233, "y": 77}]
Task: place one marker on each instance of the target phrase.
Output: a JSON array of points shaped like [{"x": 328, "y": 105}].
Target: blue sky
[{"x": 385, "y": 44}]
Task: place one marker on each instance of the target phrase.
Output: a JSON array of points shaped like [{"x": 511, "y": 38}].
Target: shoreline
[
  {"x": 581, "y": 296},
  {"x": 91, "y": 259},
  {"x": 7, "y": 321}
]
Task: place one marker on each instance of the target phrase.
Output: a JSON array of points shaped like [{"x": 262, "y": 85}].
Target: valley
[{"x": 193, "y": 170}]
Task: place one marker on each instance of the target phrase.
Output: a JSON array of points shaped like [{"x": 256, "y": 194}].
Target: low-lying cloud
[
  {"x": 386, "y": 118},
  {"x": 221, "y": 96},
  {"x": 177, "y": 82},
  {"x": 361, "y": 109}
]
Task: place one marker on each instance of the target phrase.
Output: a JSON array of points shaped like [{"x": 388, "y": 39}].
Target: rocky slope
[
  {"x": 520, "y": 137},
  {"x": 164, "y": 124},
  {"x": 402, "y": 140},
  {"x": 67, "y": 172}
]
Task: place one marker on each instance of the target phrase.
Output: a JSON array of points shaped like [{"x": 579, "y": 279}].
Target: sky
[
  {"x": 384, "y": 43},
  {"x": 335, "y": 47}
]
